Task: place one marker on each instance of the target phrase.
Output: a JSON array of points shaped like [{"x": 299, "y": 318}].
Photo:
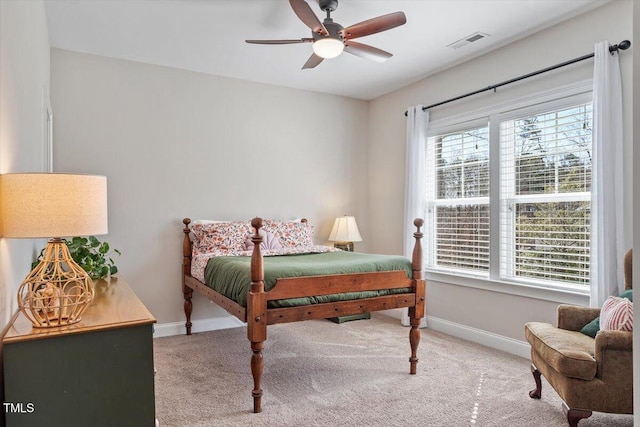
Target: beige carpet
[{"x": 318, "y": 373}]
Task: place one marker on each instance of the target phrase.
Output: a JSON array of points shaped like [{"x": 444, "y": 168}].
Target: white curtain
[
  {"x": 415, "y": 180},
  {"x": 607, "y": 220}
]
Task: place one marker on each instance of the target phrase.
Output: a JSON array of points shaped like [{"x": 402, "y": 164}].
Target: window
[
  {"x": 538, "y": 200},
  {"x": 460, "y": 209}
]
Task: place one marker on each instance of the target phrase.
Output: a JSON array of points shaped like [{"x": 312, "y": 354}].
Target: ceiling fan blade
[
  {"x": 293, "y": 41},
  {"x": 374, "y": 25},
  {"x": 313, "y": 61},
  {"x": 366, "y": 51},
  {"x": 306, "y": 15}
]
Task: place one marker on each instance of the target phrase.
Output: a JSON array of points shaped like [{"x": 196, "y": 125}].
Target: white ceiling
[{"x": 208, "y": 36}]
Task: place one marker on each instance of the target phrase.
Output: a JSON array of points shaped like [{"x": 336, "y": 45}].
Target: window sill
[{"x": 563, "y": 296}]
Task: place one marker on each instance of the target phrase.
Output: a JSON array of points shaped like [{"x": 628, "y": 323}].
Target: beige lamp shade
[
  {"x": 345, "y": 229},
  {"x": 42, "y": 205}
]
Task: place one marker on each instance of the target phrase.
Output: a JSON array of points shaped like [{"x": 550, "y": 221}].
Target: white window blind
[
  {"x": 458, "y": 200},
  {"x": 545, "y": 188}
]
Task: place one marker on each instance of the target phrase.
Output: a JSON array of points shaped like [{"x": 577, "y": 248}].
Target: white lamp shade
[
  {"x": 328, "y": 47},
  {"x": 44, "y": 205},
  {"x": 345, "y": 229}
]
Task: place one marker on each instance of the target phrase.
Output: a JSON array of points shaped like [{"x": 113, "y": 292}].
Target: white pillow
[
  {"x": 616, "y": 315},
  {"x": 269, "y": 241}
]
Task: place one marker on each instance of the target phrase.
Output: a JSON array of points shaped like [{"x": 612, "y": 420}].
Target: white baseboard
[
  {"x": 499, "y": 342},
  {"x": 201, "y": 325}
]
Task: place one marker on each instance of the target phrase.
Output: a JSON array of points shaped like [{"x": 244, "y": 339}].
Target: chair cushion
[{"x": 571, "y": 353}]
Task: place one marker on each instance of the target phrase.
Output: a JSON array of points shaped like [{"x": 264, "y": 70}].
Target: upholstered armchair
[{"x": 589, "y": 374}]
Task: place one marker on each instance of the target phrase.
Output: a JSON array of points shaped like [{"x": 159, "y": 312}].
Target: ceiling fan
[{"x": 330, "y": 39}]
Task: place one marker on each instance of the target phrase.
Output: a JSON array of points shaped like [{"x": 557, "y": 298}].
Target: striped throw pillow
[{"x": 616, "y": 315}]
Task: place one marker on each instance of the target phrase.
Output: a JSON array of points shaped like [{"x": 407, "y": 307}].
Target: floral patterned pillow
[
  {"x": 291, "y": 234},
  {"x": 213, "y": 237}
]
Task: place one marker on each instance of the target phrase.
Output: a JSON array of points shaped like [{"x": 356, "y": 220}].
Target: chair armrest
[
  {"x": 613, "y": 340},
  {"x": 574, "y": 318},
  {"x": 614, "y": 356}
]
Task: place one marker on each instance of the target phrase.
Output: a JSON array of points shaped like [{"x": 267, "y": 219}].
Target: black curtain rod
[{"x": 623, "y": 45}]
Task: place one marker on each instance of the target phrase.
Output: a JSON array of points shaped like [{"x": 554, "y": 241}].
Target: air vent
[{"x": 468, "y": 39}]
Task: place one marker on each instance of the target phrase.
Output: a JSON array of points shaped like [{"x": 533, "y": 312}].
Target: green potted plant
[{"x": 92, "y": 255}]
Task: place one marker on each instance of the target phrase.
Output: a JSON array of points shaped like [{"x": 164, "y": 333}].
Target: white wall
[
  {"x": 177, "y": 144},
  {"x": 24, "y": 76},
  {"x": 493, "y": 312}
]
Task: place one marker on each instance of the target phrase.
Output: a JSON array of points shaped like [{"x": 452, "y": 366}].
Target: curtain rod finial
[{"x": 623, "y": 45}]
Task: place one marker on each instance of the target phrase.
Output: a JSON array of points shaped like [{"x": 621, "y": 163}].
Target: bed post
[
  {"x": 417, "y": 312},
  {"x": 186, "y": 271},
  {"x": 257, "y": 315}
]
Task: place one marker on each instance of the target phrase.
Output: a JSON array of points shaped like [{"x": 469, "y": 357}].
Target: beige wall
[
  {"x": 24, "y": 76},
  {"x": 494, "y": 312},
  {"x": 176, "y": 143}
]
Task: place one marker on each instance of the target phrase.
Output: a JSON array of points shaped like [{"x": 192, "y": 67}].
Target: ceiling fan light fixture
[{"x": 328, "y": 47}]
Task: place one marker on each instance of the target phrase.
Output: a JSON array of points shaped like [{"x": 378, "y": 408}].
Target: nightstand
[{"x": 98, "y": 372}]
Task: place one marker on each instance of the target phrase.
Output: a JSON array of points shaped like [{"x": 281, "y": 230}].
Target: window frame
[
  {"x": 432, "y": 190},
  {"x": 495, "y": 161},
  {"x": 492, "y": 116}
]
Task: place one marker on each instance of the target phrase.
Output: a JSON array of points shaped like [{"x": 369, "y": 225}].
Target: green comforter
[{"x": 231, "y": 275}]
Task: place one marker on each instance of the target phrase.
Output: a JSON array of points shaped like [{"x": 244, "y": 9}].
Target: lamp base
[
  {"x": 345, "y": 246},
  {"x": 57, "y": 291}
]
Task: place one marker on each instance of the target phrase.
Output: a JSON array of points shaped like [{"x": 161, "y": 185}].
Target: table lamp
[
  {"x": 344, "y": 233},
  {"x": 51, "y": 205}
]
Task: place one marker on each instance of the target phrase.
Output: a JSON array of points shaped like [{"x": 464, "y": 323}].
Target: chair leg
[
  {"x": 537, "y": 392},
  {"x": 575, "y": 415}
]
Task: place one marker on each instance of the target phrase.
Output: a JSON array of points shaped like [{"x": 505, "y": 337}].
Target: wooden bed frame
[{"x": 257, "y": 315}]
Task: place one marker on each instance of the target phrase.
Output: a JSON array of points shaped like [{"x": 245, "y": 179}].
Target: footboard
[{"x": 297, "y": 287}]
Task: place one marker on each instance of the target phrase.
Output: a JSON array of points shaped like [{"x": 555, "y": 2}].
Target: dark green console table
[{"x": 98, "y": 372}]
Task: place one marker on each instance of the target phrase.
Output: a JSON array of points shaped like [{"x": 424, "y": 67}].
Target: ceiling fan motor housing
[
  {"x": 329, "y": 5},
  {"x": 333, "y": 28}
]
